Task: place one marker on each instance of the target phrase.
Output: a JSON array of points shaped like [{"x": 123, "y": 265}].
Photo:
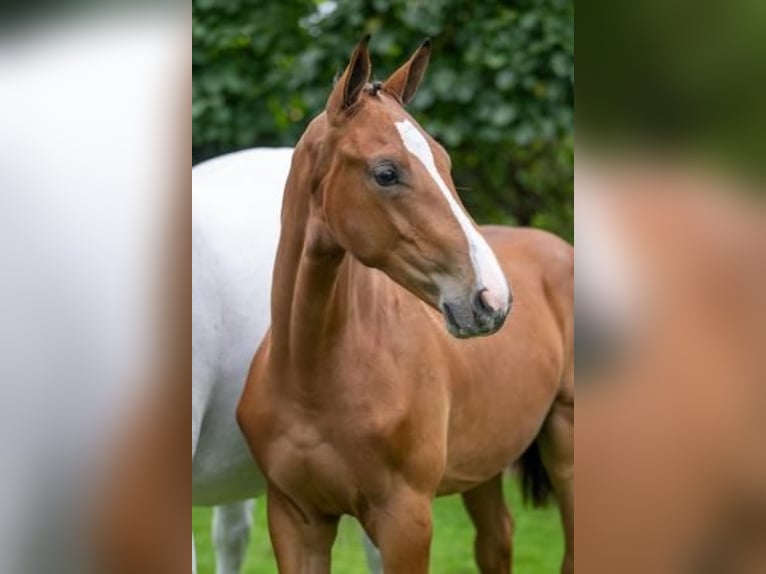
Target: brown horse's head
[{"x": 389, "y": 200}]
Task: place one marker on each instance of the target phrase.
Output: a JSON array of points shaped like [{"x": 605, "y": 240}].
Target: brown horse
[{"x": 358, "y": 400}]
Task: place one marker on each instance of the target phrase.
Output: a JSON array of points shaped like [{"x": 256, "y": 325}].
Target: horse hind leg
[
  {"x": 549, "y": 465},
  {"x": 494, "y": 526},
  {"x": 231, "y": 535}
]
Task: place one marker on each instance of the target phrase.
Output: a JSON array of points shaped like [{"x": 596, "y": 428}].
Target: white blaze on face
[{"x": 489, "y": 276}]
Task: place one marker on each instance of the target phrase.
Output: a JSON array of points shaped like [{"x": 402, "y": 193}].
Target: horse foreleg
[
  {"x": 556, "y": 443},
  {"x": 231, "y": 535},
  {"x": 494, "y": 526},
  {"x": 401, "y": 527},
  {"x": 302, "y": 540}
]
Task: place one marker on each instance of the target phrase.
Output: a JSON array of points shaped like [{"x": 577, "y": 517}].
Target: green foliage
[{"x": 498, "y": 93}]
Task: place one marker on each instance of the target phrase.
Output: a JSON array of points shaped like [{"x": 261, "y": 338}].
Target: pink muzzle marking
[{"x": 493, "y": 300}]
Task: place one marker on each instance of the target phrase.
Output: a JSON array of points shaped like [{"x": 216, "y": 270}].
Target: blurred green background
[
  {"x": 674, "y": 80},
  {"x": 537, "y": 544},
  {"x": 498, "y": 93}
]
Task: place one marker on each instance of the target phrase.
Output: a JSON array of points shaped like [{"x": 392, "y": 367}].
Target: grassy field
[{"x": 538, "y": 542}]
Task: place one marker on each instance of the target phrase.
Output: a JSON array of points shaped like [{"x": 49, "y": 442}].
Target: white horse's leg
[
  {"x": 231, "y": 535},
  {"x": 374, "y": 563},
  {"x": 195, "y": 438},
  {"x": 196, "y": 428},
  {"x": 194, "y": 557}
]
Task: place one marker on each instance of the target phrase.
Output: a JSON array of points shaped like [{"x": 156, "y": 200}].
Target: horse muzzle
[{"x": 478, "y": 315}]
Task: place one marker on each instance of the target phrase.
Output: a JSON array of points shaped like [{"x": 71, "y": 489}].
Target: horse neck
[{"x": 311, "y": 272}]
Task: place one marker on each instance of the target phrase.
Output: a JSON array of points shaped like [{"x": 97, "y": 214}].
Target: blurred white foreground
[{"x": 87, "y": 109}]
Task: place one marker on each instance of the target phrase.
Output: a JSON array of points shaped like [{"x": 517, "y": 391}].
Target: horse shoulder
[
  {"x": 550, "y": 256},
  {"x": 550, "y": 262}
]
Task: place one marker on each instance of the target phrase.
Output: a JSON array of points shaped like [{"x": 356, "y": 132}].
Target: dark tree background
[{"x": 498, "y": 93}]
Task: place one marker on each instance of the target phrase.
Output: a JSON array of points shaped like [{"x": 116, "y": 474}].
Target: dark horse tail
[{"x": 536, "y": 485}]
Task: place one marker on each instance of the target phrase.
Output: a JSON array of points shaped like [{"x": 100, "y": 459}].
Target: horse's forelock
[
  {"x": 371, "y": 88},
  {"x": 374, "y": 87}
]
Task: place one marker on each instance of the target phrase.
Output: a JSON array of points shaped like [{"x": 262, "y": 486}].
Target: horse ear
[
  {"x": 349, "y": 86},
  {"x": 404, "y": 82}
]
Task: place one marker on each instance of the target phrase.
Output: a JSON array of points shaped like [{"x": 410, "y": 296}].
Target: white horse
[{"x": 237, "y": 201}]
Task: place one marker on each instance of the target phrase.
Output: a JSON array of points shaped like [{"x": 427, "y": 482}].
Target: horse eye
[{"x": 385, "y": 175}]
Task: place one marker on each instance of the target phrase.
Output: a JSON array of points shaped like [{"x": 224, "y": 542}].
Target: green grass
[{"x": 538, "y": 540}]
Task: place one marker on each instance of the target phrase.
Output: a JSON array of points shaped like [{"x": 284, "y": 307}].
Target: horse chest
[
  {"x": 308, "y": 467},
  {"x": 317, "y": 452}
]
